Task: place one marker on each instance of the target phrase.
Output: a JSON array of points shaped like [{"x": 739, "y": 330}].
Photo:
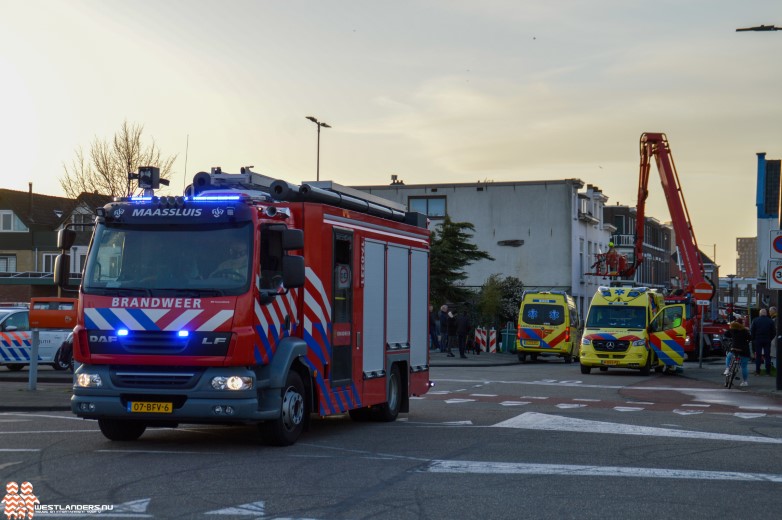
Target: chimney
[{"x": 30, "y": 200}]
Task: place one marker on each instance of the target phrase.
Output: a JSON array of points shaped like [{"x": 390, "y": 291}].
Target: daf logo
[
  {"x": 610, "y": 345},
  {"x": 103, "y": 339}
]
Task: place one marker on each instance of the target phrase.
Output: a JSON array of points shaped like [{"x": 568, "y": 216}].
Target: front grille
[
  {"x": 607, "y": 345},
  {"x": 154, "y": 342},
  {"x": 153, "y": 377}
]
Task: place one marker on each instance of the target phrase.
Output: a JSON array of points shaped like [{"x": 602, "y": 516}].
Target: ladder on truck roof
[{"x": 257, "y": 185}]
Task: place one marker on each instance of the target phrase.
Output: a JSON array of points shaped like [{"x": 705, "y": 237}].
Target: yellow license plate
[
  {"x": 148, "y": 407},
  {"x": 610, "y": 362},
  {"x": 531, "y": 343}
]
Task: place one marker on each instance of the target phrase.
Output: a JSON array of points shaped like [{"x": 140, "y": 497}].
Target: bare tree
[{"x": 106, "y": 170}]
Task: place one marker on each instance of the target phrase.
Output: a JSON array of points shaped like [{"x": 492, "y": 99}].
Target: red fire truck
[{"x": 250, "y": 300}]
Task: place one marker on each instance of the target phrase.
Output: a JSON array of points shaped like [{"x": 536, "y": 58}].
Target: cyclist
[{"x": 740, "y": 337}]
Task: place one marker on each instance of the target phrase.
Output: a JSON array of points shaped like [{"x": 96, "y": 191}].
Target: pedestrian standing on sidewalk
[
  {"x": 451, "y": 333},
  {"x": 433, "y": 318},
  {"x": 443, "y": 328},
  {"x": 739, "y": 335},
  {"x": 762, "y": 331},
  {"x": 462, "y": 329}
]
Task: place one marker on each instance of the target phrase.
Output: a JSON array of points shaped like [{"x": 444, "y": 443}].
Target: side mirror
[
  {"x": 62, "y": 268},
  {"x": 293, "y": 271},
  {"x": 65, "y": 239}
]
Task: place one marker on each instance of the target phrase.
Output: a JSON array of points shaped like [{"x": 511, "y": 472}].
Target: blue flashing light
[
  {"x": 215, "y": 198},
  {"x": 122, "y": 332},
  {"x": 183, "y": 333},
  {"x": 140, "y": 199}
]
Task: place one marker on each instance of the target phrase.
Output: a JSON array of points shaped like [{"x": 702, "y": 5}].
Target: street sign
[
  {"x": 776, "y": 244},
  {"x": 702, "y": 302},
  {"x": 704, "y": 291},
  {"x": 774, "y": 275}
]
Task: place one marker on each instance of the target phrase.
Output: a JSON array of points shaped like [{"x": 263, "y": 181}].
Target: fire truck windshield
[{"x": 155, "y": 259}]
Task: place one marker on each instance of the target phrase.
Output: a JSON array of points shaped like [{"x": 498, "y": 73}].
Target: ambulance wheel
[
  {"x": 647, "y": 368},
  {"x": 388, "y": 411},
  {"x": 585, "y": 370},
  {"x": 121, "y": 430},
  {"x": 286, "y": 429},
  {"x": 15, "y": 367},
  {"x": 568, "y": 359},
  {"x": 522, "y": 358}
]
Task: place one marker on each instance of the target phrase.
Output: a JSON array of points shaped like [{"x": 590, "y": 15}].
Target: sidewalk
[{"x": 15, "y": 395}]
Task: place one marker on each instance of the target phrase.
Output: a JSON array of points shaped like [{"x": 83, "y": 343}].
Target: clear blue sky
[{"x": 432, "y": 91}]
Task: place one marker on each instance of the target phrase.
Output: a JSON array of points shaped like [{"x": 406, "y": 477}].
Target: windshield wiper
[{"x": 118, "y": 291}]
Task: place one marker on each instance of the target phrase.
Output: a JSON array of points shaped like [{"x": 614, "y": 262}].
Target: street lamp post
[
  {"x": 324, "y": 125},
  {"x": 766, "y": 28}
]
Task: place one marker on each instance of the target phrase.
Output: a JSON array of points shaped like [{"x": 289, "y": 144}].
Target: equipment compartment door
[
  {"x": 342, "y": 308},
  {"x": 374, "y": 277}
]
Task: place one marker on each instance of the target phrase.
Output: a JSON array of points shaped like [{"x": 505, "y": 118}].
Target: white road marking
[
  {"x": 627, "y": 408},
  {"x": 155, "y": 452},
  {"x": 69, "y": 416},
  {"x": 438, "y": 392},
  {"x": 687, "y": 412},
  {"x": 566, "y": 406},
  {"x": 698, "y": 405},
  {"x": 49, "y": 431},
  {"x": 9, "y": 464},
  {"x": 539, "y": 421},
  {"x": 514, "y": 403},
  {"x": 533, "y": 397},
  {"x": 640, "y": 402},
  {"x": 458, "y": 423},
  {"x": 744, "y": 415},
  {"x": 483, "y": 395},
  {"x": 457, "y": 401},
  {"x": 588, "y": 400},
  {"x": 18, "y": 449},
  {"x": 517, "y": 468},
  {"x": 253, "y": 508}
]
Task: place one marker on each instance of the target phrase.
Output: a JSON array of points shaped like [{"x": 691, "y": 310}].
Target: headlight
[
  {"x": 586, "y": 341},
  {"x": 232, "y": 383},
  {"x": 639, "y": 343},
  {"x": 89, "y": 381}
]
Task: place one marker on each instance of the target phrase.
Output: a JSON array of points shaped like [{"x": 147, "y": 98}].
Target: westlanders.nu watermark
[
  {"x": 73, "y": 509},
  {"x": 20, "y": 502}
]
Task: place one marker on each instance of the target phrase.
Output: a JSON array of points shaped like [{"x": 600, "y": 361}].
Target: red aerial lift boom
[{"x": 613, "y": 265}]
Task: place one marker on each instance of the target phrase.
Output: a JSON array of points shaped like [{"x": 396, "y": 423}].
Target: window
[
  {"x": 8, "y": 264},
  {"x": 48, "y": 262},
  {"x": 81, "y": 218},
  {"x": 433, "y": 207},
  {"x": 10, "y": 223}
]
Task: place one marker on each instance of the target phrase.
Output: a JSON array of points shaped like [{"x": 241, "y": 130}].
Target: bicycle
[{"x": 733, "y": 369}]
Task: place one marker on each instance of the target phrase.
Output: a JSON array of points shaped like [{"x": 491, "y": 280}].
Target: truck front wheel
[
  {"x": 120, "y": 430},
  {"x": 286, "y": 429}
]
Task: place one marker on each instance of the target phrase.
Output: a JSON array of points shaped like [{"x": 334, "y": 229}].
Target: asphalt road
[{"x": 519, "y": 441}]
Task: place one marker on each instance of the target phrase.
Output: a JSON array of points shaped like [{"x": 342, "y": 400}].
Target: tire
[
  {"x": 388, "y": 411},
  {"x": 534, "y": 357},
  {"x": 522, "y": 357},
  {"x": 585, "y": 370},
  {"x": 647, "y": 368},
  {"x": 568, "y": 359},
  {"x": 59, "y": 364},
  {"x": 15, "y": 367},
  {"x": 121, "y": 430},
  {"x": 288, "y": 427}
]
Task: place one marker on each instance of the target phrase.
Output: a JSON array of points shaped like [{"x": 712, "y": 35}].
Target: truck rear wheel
[
  {"x": 15, "y": 367},
  {"x": 388, "y": 411},
  {"x": 287, "y": 428},
  {"x": 121, "y": 430}
]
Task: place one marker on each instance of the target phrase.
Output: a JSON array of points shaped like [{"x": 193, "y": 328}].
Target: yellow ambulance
[
  {"x": 548, "y": 325},
  {"x": 631, "y": 327}
]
